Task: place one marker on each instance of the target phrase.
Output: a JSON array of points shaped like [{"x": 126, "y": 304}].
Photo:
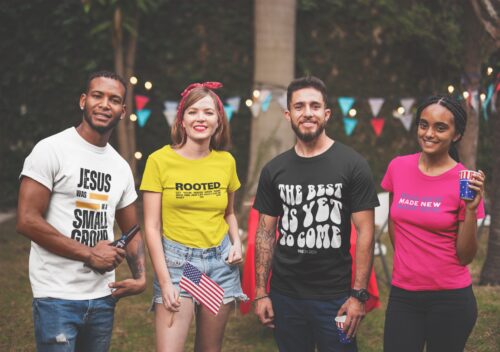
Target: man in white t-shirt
[{"x": 73, "y": 186}]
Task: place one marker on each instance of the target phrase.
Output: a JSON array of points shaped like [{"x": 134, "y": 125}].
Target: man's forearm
[
  {"x": 265, "y": 240},
  {"x": 136, "y": 258},
  {"x": 364, "y": 259}
]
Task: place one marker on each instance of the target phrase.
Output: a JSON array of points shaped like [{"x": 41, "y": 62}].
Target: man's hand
[
  {"x": 264, "y": 311},
  {"x": 127, "y": 287},
  {"x": 355, "y": 313},
  {"x": 104, "y": 257}
]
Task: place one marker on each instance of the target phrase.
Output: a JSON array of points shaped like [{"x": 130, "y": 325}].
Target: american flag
[{"x": 202, "y": 288}]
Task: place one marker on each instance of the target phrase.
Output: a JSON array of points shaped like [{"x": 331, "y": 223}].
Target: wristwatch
[{"x": 361, "y": 295}]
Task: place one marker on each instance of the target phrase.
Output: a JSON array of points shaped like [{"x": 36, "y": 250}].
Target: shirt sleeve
[
  {"x": 151, "y": 178},
  {"x": 234, "y": 181},
  {"x": 363, "y": 191},
  {"x": 387, "y": 179},
  {"x": 267, "y": 199},
  {"x": 129, "y": 194},
  {"x": 42, "y": 165}
]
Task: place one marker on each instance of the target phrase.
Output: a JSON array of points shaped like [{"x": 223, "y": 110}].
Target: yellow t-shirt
[{"x": 194, "y": 194}]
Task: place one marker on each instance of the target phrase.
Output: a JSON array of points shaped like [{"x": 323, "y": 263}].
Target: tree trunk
[
  {"x": 271, "y": 134},
  {"x": 490, "y": 274},
  {"x": 473, "y": 33},
  {"x": 124, "y": 66}
]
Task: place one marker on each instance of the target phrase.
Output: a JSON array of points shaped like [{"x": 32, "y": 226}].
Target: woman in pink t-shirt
[{"x": 433, "y": 233}]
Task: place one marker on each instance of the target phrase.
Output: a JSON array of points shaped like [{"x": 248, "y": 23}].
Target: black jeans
[{"x": 442, "y": 320}]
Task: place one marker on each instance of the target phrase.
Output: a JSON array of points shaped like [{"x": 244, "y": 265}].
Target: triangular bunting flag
[
  {"x": 170, "y": 116},
  {"x": 489, "y": 95},
  {"x": 375, "y": 105},
  {"x": 377, "y": 125},
  {"x": 406, "y": 120},
  {"x": 345, "y": 105},
  {"x": 474, "y": 100},
  {"x": 143, "y": 116},
  {"x": 255, "y": 109},
  {"x": 264, "y": 93},
  {"x": 170, "y": 105},
  {"x": 265, "y": 104},
  {"x": 234, "y": 102},
  {"x": 407, "y": 104},
  {"x": 229, "y": 112},
  {"x": 282, "y": 101},
  {"x": 140, "y": 101},
  {"x": 349, "y": 125}
]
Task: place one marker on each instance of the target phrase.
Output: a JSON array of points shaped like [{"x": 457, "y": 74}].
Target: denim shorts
[
  {"x": 63, "y": 325},
  {"x": 210, "y": 261}
]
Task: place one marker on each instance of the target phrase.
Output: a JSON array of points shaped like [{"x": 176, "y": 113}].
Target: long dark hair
[{"x": 459, "y": 116}]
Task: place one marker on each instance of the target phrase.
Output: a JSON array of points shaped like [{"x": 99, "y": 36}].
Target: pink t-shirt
[{"x": 426, "y": 211}]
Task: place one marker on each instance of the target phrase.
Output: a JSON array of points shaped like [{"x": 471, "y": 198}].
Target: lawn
[{"x": 133, "y": 330}]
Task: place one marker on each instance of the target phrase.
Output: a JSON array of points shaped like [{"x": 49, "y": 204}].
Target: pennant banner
[
  {"x": 170, "y": 105},
  {"x": 377, "y": 125},
  {"x": 265, "y": 103},
  {"x": 407, "y": 104},
  {"x": 228, "y": 109},
  {"x": 234, "y": 103},
  {"x": 170, "y": 116},
  {"x": 143, "y": 116},
  {"x": 474, "y": 100},
  {"x": 345, "y": 104},
  {"x": 489, "y": 95},
  {"x": 375, "y": 105},
  {"x": 140, "y": 101},
  {"x": 349, "y": 125},
  {"x": 406, "y": 120},
  {"x": 255, "y": 109},
  {"x": 282, "y": 101}
]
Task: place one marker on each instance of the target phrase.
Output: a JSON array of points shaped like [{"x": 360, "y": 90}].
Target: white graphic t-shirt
[{"x": 88, "y": 183}]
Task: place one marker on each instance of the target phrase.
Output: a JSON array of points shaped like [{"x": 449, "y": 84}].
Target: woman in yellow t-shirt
[{"x": 189, "y": 216}]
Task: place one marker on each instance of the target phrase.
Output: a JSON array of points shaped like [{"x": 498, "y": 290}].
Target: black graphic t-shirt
[{"x": 314, "y": 199}]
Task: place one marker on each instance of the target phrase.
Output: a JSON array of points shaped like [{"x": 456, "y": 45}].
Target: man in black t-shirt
[{"x": 313, "y": 192}]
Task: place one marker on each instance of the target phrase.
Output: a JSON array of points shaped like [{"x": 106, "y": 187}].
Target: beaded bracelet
[{"x": 257, "y": 298}]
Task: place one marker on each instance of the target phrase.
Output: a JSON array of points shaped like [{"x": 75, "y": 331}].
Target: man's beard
[
  {"x": 99, "y": 129},
  {"x": 308, "y": 137}
]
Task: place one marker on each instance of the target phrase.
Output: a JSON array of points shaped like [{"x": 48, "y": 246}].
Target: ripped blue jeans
[{"x": 63, "y": 325}]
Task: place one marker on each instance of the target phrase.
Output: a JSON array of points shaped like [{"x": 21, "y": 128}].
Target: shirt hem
[
  {"x": 431, "y": 288},
  {"x": 70, "y": 296},
  {"x": 315, "y": 297}
]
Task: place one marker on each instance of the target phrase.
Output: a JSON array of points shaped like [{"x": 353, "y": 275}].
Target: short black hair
[
  {"x": 107, "y": 74},
  {"x": 306, "y": 82},
  {"x": 456, "y": 109}
]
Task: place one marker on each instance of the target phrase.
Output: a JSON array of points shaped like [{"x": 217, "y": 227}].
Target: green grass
[{"x": 133, "y": 330}]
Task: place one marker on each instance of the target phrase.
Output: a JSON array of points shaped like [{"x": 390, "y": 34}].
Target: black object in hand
[{"x": 126, "y": 237}]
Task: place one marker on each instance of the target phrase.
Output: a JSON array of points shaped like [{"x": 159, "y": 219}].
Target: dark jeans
[
  {"x": 302, "y": 324},
  {"x": 65, "y": 325},
  {"x": 442, "y": 320}
]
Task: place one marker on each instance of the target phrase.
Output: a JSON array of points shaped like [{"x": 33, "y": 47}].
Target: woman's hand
[
  {"x": 477, "y": 184},
  {"x": 235, "y": 256},
  {"x": 170, "y": 296}
]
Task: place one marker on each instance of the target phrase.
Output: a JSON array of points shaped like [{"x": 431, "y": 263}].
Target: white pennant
[
  {"x": 474, "y": 100},
  {"x": 170, "y": 116},
  {"x": 170, "y": 105},
  {"x": 407, "y": 103},
  {"x": 282, "y": 101},
  {"x": 406, "y": 120},
  {"x": 375, "y": 105},
  {"x": 234, "y": 102},
  {"x": 255, "y": 108}
]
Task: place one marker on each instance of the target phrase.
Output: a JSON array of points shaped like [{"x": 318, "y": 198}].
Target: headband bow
[{"x": 208, "y": 85}]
